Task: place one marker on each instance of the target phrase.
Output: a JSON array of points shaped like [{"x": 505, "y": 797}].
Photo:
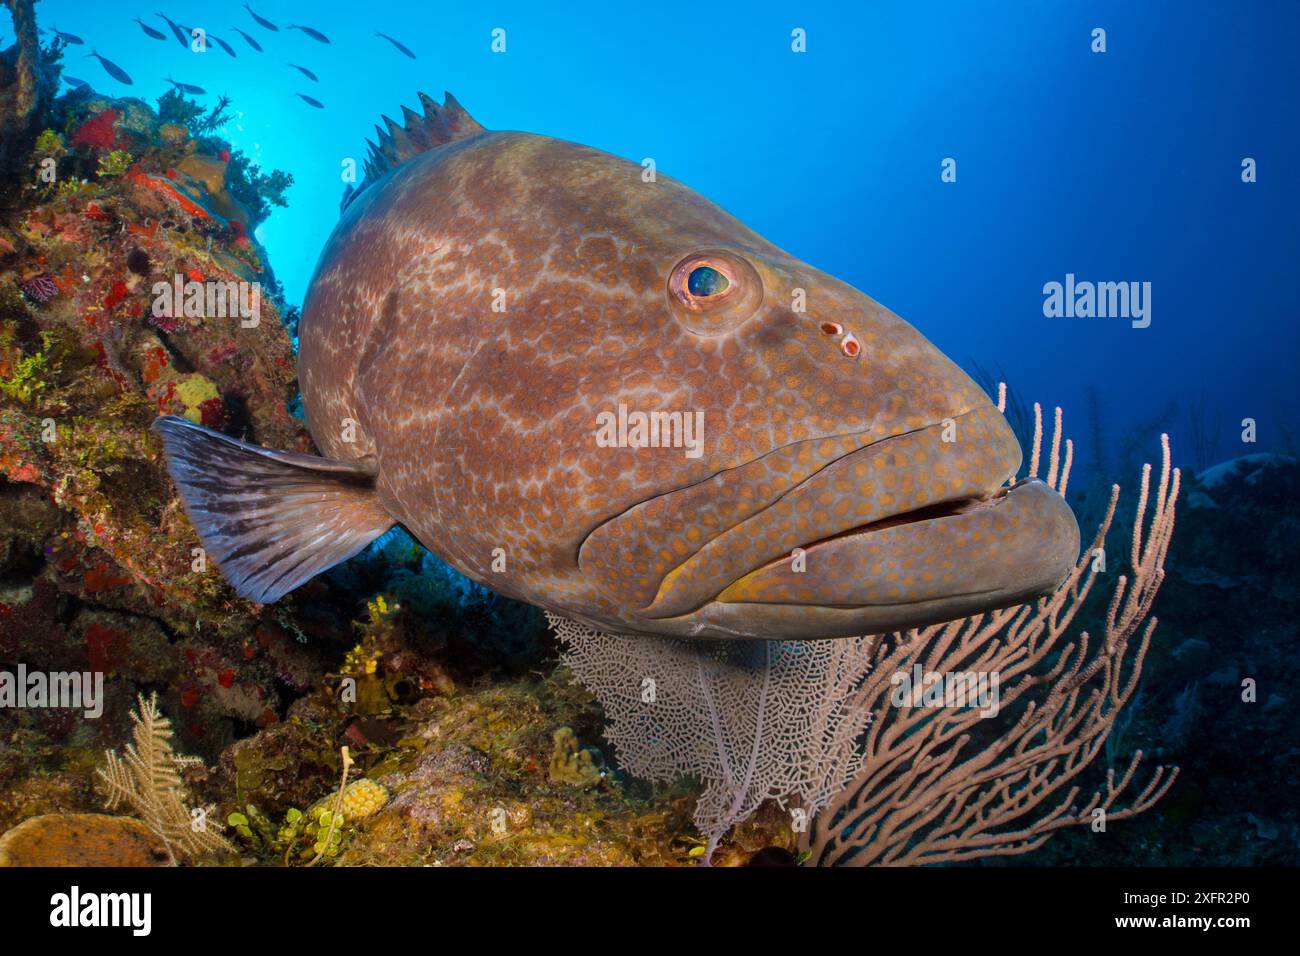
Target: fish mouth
[
  {"x": 927, "y": 555},
  {"x": 939, "y": 563},
  {"x": 898, "y": 532}
]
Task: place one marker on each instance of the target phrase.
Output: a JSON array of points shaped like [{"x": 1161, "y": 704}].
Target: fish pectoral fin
[{"x": 270, "y": 519}]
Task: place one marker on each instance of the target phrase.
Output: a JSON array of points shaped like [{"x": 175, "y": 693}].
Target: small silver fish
[
  {"x": 314, "y": 34},
  {"x": 187, "y": 87},
  {"x": 150, "y": 31},
  {"x": 112, "y": 69},
  {"x": 304, "y": 71},
  {"x": 309, "y": 101},
  {"x": 262, "y": 21},
  {"x": 251, "y": 42},
  {"x": 70, "y": 38},
  {"x": 182, "y": 36},
  {"x": 223, "y": 44},
  {"x": 399, "y": 46}
]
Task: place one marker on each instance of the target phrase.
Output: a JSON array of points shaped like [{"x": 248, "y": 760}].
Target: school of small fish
[{"x": 185, "y": 35}]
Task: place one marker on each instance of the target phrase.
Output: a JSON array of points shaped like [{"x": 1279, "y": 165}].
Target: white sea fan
[{"x": 751, "y": 720}]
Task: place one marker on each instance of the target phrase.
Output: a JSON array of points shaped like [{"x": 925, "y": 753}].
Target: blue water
[{"x": 1114, "y": 167}]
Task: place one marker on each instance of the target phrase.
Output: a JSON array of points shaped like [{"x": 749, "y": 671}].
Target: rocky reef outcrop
[{"x": 98, "y": 568}]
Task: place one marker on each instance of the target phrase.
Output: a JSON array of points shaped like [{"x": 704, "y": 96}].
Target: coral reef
[
  {"x": 104, "y": 574},
  {"x": 28, "y": 79},
  {"x": 753, "y": 722},
  {"x": 1216, "y": 683}
]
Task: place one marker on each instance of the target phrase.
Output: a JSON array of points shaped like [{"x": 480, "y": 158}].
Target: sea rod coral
[{"x": 814, "y": 724}]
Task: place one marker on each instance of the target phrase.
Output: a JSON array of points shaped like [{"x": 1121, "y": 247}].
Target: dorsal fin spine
[{"x": 438, "y": 125}]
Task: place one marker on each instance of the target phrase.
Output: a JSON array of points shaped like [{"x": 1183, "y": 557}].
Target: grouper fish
[{"x": 590, "y": 388}]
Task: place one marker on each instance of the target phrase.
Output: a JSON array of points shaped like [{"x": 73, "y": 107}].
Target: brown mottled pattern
[{"x": 483, "y": 422}]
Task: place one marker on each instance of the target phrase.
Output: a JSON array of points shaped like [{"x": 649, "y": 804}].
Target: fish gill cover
[{"x": 855, "y": 629}]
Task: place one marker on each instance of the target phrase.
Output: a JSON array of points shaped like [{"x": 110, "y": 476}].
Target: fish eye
[
  {"x": 705, "y": 281},
  {"x": 714, "y": 292}
]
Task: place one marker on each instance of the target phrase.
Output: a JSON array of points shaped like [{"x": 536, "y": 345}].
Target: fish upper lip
[{"x": 939, "y": 509}]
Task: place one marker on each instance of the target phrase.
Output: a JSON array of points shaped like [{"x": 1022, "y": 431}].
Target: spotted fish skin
[{"x": 488, "y": 296}]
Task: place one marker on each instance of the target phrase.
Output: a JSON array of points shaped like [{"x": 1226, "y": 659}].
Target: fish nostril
[{"x": 849, "y": 344}]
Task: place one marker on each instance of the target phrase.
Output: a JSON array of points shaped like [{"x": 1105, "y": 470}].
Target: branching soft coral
[{"x": 147, "y": 780}]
